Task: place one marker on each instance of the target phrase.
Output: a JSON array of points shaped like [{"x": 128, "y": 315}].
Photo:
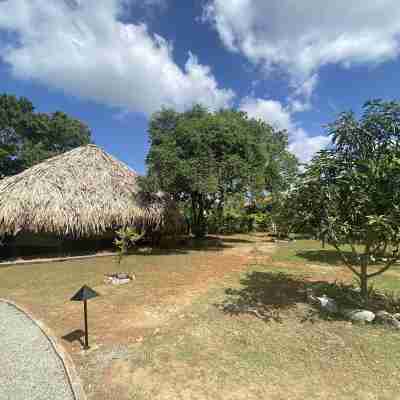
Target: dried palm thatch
[{"x": 81, "y": 193}]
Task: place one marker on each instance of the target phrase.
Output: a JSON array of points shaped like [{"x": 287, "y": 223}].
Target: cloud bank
[
  {"x": 301, "y": 143},
  {"x": 82, "y": 48},
  {"x": 300, "y": 37}
]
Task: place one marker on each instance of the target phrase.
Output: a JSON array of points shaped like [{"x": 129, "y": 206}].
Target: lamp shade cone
[{"x": 84, "y": 293}]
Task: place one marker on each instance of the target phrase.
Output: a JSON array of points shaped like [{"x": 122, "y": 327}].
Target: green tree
[
  {"x": 349, "y": 194},
  {"x": 27, "y": 137},
  {"x": 203, "y": 158}
]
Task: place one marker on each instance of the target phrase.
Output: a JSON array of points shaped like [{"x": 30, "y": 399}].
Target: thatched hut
[{"x": 79, "y": 194}]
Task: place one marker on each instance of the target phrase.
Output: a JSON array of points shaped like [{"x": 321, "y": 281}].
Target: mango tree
[{"x": 349, "y": 194}]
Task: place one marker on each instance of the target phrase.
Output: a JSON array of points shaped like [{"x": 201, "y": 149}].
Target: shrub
[{"x": 126, "y": 238}]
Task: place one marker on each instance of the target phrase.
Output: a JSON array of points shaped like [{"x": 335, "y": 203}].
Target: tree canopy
[
  {"x": 349, "y": 194},
  {"x": 201, "y": 158},
  {"x": 28, "y": 137}
]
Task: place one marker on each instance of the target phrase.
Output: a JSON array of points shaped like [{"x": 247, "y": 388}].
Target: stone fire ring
[{"x": 118, "y": 278}]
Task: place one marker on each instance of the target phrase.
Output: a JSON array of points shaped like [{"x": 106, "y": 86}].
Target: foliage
[
  {"x": 233, "y": 218},
  {"x": 284, "y": 214},
  {"x": 262, "y": 221},
  {"x": 27, "y": 137},
  {"x": 126, "y": 239},
  {"x": 349, "y": 194},
  {"x": 232, "y": 221},
  {"x": 203, "y": 159}
]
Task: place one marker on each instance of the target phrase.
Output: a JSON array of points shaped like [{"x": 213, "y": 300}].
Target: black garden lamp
[{"x": 84, "y": 294}]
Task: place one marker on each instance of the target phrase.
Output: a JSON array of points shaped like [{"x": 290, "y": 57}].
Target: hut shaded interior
[
  {"x": 28, "y": 245},
  {"x": 74, "y": 201}
]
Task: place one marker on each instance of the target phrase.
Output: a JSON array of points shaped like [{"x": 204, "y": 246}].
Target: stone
[
  {"x": 396, "y": 316},
  {"x": 382, "y": 314},
  {"x": 388, "y": 319},
  {"x": 380, "y": 296},
  {"x": 118, "y": 278},
  {"x": 359, "y": 315},
  {"x": 310, "y": 296},
  {"x": 327, "y": 304}
]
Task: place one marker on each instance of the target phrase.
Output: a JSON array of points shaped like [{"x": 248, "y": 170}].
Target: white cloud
[
  {"x": 305, "y": 146},
  {"x": 270, "y": 111},
  {"x": 301, "y": 143},
  {"x": 299, "y": 37},
  {"x": 300, "y": 99},
  {"x": 82, "y": 48}
]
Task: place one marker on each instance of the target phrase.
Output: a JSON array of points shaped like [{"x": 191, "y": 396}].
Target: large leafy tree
[
  {"x": 27, "y": 137},
  {"x": 203, "y": 158},
  {"x": 349, "y": 195}
]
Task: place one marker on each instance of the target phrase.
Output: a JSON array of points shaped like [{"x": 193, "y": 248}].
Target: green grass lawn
[
  {"x": 306, "y": 253},
  {"x": 167, "y": 336}
]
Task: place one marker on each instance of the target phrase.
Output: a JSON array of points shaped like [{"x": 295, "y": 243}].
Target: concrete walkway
[{"x": 30, "y": 368}]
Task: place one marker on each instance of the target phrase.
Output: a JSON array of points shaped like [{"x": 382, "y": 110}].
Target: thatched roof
[{"x": 83, "y": 192}]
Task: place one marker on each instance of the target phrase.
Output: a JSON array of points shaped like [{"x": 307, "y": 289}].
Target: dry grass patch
[{"x": 207, "y": 354}]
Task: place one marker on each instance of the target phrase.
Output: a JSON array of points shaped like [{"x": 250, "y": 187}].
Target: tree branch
[
  {"x": 345, "y": 260},
  {"x": 388, "y": 264}
]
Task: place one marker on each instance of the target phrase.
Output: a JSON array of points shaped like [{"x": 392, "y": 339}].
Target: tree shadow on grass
[
  {"x": 181, "y": 245},
  {"x": 228, "y": 239},
  {"x": 184, "y": 245},
  {"x": 267, "y": 294},
  {"x": 264, "y": 294},
  {"x": 328, "y": 256}
]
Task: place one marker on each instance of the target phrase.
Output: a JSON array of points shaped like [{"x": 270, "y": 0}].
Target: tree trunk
[
  {"x": 364, "y": 282},
  {"x": 199, "y": 222},
  {"x": 220, "y": 212}
]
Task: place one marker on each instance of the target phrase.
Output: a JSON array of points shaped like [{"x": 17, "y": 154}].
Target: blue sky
[{"x": 112, "y": 63}]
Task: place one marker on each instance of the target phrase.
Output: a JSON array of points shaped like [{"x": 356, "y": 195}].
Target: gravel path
[{"x": 29, "y": 367}]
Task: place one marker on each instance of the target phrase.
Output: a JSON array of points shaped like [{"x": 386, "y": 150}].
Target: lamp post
[{"x": 84, "y": 294}]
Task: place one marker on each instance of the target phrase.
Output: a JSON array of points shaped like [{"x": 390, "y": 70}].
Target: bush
[
  {"x": 233, "y": 221},
  {"x": 126, "y": 238},
  {"x": 262, "y": 221}
]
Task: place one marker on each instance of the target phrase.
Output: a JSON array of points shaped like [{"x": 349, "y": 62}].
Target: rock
[
  {"x": 359, "y": 315},
  {"x": 118, "y": 278},
  {"x": 382, "y": 314},
  {"x": 310, "y": 296},
  {"x": 388, "y": 319},
  {"x": 396, "y": 316},
  {"x": 327, "y": 304},
  {"x": 379, "y": 295}
]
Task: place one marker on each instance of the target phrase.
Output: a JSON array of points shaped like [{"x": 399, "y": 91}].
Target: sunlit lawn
[{"x": 306, "y": 253}]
